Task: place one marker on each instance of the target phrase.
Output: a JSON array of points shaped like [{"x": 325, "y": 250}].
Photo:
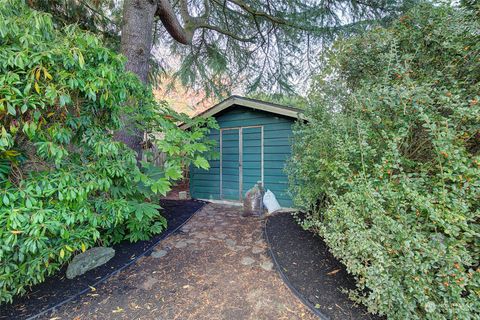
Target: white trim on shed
[{"x": 251, "y": 103}]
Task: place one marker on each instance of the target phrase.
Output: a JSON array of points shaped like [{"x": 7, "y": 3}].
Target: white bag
[{"x": 270, "y": 202}]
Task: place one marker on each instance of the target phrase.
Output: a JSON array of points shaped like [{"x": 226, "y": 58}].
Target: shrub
[
  {"x": 66, "y": 184},
  {"x": 388, "y": 168}
]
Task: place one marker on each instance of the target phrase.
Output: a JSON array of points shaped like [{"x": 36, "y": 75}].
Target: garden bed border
[{"x": 285, "y": 279}]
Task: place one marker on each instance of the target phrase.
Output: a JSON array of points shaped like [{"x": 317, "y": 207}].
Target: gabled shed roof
[{"x": 251, "y": 103}]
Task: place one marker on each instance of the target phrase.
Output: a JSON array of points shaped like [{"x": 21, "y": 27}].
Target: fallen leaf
[
  {"x": 331, "y": 273},
  {"x": 117, "y": 310},
  {"x": 92, "y": 288}
]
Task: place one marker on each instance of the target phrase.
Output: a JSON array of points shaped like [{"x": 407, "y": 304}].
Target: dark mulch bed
[
  {"x": 311, "y": 270},
  {"x": 58, "y": 288}
]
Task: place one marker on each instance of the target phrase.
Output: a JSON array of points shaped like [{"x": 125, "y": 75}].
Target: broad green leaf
[{"x": 201, "y": 162}]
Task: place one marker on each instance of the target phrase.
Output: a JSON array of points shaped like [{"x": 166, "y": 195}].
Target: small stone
[
  {"x": 191, "y": 241},
  {"x": 182, "y": 195},
  {"x": 221, "y": 235},
  {"x": 266, "y": 265},
  {"x": 148, "y": 283},
  {"x": 200, "y": 235},
  {"x": 89, "y": 260},
  {"x": 159, "y": 254},
  {"x": 180, "y": 244},
  {"x": 257, "y": 250},
  {"x": 246, "y": 261},
  {"x": 230, "y": 242}
]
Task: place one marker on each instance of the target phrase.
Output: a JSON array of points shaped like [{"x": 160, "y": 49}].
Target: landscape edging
[{"x": 286, "y": 280}]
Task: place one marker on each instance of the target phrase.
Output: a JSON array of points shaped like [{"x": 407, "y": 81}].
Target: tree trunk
[{"x": 136, "y": 43}]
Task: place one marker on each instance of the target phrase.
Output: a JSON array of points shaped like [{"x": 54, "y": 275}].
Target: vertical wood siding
[
  {"x": 277, "y": 132},
  {"x": 206, "y": 184},
  {"x": 230, "y": 155},
  {"x": 252, "y": 157}
]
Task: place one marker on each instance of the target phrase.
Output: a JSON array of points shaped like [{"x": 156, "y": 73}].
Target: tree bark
[
  {"x": 136, "y": 43},
  {"x": 166, "y": 14}
]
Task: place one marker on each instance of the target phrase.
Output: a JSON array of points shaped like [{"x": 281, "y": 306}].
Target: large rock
[{"x": 89, "y": 260}]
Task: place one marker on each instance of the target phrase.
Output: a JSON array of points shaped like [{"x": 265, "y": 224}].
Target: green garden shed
[{"x": 254, "y": 142}]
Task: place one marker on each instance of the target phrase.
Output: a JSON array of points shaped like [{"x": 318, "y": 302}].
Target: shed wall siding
[
  {"x": 277, "y": 131},
  {"x": 205, "y": 184}
]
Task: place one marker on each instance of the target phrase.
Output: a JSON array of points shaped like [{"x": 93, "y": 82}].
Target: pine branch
[
  {"x": 225, "y": 32},
  {"x": 184, "y": 34}
]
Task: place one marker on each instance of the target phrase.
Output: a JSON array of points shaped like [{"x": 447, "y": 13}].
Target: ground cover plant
[
  {"x": 388, "y": 167},
  {"x": 66, "y": 184}
]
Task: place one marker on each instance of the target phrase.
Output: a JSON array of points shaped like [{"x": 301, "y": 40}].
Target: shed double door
[{"x": 241, "y": 160}]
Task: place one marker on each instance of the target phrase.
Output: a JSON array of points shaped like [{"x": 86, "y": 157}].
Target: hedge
[{"x": 388, "y": 166}]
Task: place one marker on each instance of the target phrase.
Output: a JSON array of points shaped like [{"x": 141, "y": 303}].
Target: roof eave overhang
[{"x": 250, "y": 103}]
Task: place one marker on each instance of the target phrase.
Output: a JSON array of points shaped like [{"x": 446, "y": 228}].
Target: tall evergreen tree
[{"x": 258, "y": 44}]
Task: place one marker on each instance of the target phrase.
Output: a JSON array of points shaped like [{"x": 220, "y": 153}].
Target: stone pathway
[{"x": 216, "y": 267}]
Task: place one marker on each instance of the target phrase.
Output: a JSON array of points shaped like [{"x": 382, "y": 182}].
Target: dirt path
[{"x": 217, "y": 267}]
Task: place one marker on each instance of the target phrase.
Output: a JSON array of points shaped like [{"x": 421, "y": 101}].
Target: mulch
[
  {"x": 58, "y": 289},
  {"x": 311, "y": 271}
]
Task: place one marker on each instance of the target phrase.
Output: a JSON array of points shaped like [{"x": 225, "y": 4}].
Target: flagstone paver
[{"x": 216, "y": 267}]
